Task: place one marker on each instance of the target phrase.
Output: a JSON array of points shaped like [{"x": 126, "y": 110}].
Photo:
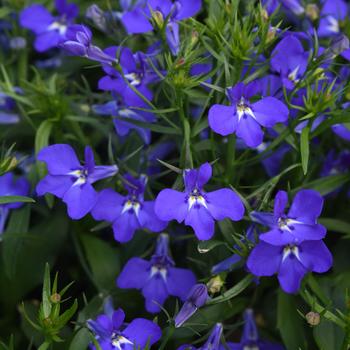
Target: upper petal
[
  {"x": 222, "y": 119},
  {"x": 270, "y": 111},
  {"x": 264, "y": 259},
  {"x": 307, "y": 206},
  {"x": 225, "y": 203},
  {"x": 281, "y": 201},
  {"x": 171, "y": 204},
  {"x": 135, "y": 274},
  {"x": 60, "y": 159},
  {"x": 136, "y": 22},
  {"x": 204, "y": 174}
]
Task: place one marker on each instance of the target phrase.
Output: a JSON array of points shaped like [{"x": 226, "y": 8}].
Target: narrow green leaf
[
  {"x": 304, "y": 148},
  {"x": 67, "y": 315},
  {"x": 15, "y": 199},
  {"x": 335, "y": 225},
  {"x": 46, "y": 302},
  {"x": 207, "y": 246}
]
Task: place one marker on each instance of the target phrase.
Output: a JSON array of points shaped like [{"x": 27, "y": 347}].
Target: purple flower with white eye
[
  {"x": 7, "y": 106},
  {"x": 196, "y": 298},
  {"x": 11, "y": 187},
  {"x": 245, "y": 118},
  {"x": 289, "y": 60},
  {"x": 290, "y": 261},
  {"x": 250, "y": 338},
  {"x": 128, "y": 213},
  {"x": 293, "y": 6},
  {"x": 157, "y": 278},
  {"x": 78, "y": 42},
  {"x": 49, "y": 30},
  {"x": 134, "y": 69},
  {"x": 332, "y": 13},
  {"x": 196, "y": 207},
  {"x": 111, "y": 333},
  {"x": 118, "y": 110},
  {"x": 69, "y": 180},
  {"x": 137, "y": 20},
  {"x": 335, "y": 164},
  {"x": 300, "y": 224}
]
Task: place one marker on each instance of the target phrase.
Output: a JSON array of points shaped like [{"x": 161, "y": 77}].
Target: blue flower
[
  {"x": 298, "y": 225},
  {"x": 196, "y": 207},
  {"x": 49, "y": 30},
  {"x": 111, "y": 334},
  {"x": 157, "y": 278},
  {"x": 245, "y": 118},
  {"x": 71, "y": 181},
  {"x": 137, "y": 18},
  {"x": 11, "y": 187},
  {"x": 128, "y": 213}
]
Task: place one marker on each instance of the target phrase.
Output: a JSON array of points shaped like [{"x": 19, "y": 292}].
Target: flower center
[
  {"x": 81, "y": 176},
  {"x": 134, "y": 78},
  {"x": 292, "y": 76},
  {"x": 62, "y": 28},
  {"x": 333, "y": 24},
  {"x": 286, "y": 224},
  {"x": 196, "y": 199},
  {"x": 290, "y": 250},
  {"x": 132, "y": 205},
  {"x": 118, "y": 341},
  {"x": 243, "y": 109}
]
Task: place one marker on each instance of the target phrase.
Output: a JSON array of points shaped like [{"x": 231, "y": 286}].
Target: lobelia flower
[
  {"x": 244, "y": 118},
  {"x": 49, "y": 30},
  {"x": 134, "y": 69},
  {"x": 196, "y": 207},
  {"x": 290, "y": 261},
  {"x": 11, "y": 187},
  {"x": 128, "y": 213},
  {"x": 298, "y": 225},
  {"x": 293, "y": 6},
  {"x": 196, "y": 298},
  {"x": 122, "y": 127},
  {"x": 111, "y": 334},
  {"x": 157, "y": 278},
  {"x": 7, "y": 107},
  {"x": 69, "y": 180},
  {"x": 289, "y": 60},
  {"x": 250, "y": 337},
  {"x": 137, "y": 19},
  {"x": 78, "y": 42},
  {"x": 97, "y": 17},
  {"x": 332, "y": 13}
]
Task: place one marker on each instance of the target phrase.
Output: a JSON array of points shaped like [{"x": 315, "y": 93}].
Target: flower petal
[
  {"x": 148, "y": 218},
  {"x": 155, "y": 293},
  {"x": 290, "y": 274},
  {"x": 223, "y": 119},
  {"x": 180, "y": 282},
  {"x": 170, "y": 205},
  {"x": 315, "y": 256},
  {"x": 135, "y": 274},
  {"x": 108, "y": 206},
  {"x": 125, "y": 226},
  {"x": 269, "y": 111},
  {"x": 57, "y": 185},
  {"x": 201, "y": 221},
  {"x": 250, "y": 131}
]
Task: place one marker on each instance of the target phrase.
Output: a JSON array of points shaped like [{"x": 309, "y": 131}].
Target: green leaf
[
  {"x": 67, "y": 315},
  {"x": 46, "y": 294},
  {"x": 234, "y": 291},
  {"x": 42, "y": 135},
  {"x": 335, "y": 225},
  {"x": 80, "y": 341},
  {"x": 15, "y": 199},
  {"x": 304, "y": 148},
  {"x": 103, "y": 260},
  {"x": 289, "y": 322},
  {"x": 328, "y": 336}
]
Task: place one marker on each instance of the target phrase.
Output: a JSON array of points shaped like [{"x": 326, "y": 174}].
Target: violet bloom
[
  {"x": 250, "y": 338},
  {"x": 135, "y": 70},
  {"x": 69, "y": 180},
  {"x": 293, "y": 6},
  {"x": 196, "y": 207},
  {"x": 300, "y": 224},
  {"x": 245, "y": 118},
  {"x": 128, "y": 213},
  {"x": 137, "y": 20},
  {"x": 123, "y": 127},
  {"x": 332, "y": 13},
  {"x": 11, "y": 187},
  {"x": 157, "y": 278},
  {"x": 342, "y": 130},
  {"x": 49, "y": 30},
  {"x": 111, "y": 333},
  {"x": 78, "y": 42},
  {"x": 7, "y": 107},
  {"x": 196, "y": 298},
  {"x": 290, "y": 261},
  {"x": 289, "y": 60}
]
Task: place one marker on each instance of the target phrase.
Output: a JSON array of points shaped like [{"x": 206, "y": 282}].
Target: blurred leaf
[
  {"x": 328, "y": 336},
  {"x": 335, "y": 225},
  {"x": 304, "y": 148},
  {"x": 289, "y": 322},
  {"x": 46, "y": 302},
  {"x": 15, "y": 199},
  {"x": 80, "y": 341},
  {"x": 103, "y": 261}
]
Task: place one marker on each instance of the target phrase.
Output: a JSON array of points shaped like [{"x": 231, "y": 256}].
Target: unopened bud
[
  {"x": 47, "y": 321},
  {"x": 55, "y": 298},
  {"x": 313, "y": 318},
  {"x": 194, "y": 37},
  {"x": 264, "y": 15},
  {"x": 97, "y": 16},
  {"x": 312, "y": 11},
  {"x": 158, "y": 18},
  {"x": 215, "y": 284},
  {"x": 271, "y": 34}
]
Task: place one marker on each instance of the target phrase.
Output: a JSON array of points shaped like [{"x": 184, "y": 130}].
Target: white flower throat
[{"x": 196, "y": 198}]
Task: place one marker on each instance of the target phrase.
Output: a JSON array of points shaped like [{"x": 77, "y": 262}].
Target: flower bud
[
  {"x": 158, "y": 18},
  {"x": 194, "y": 37},
  {"x": 97, "y": 16},
  {"x": 312, "y": 11},
  {"x": 313, "y": 318},
  {"x": 197, "y": 297},
  {"x": 215, "y": 284},
  {"x": 55, "y": 298}
]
